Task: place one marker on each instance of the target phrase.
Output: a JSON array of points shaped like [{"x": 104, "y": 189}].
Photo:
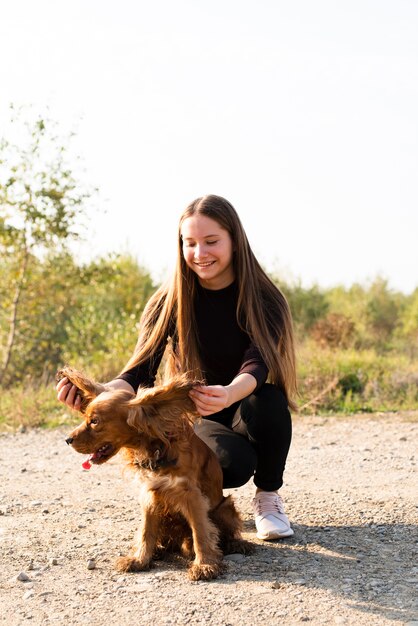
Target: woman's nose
[{"x": 200, "y": 251}]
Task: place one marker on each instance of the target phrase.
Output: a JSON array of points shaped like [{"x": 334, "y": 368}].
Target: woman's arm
[{"x": 213, "y": 398}]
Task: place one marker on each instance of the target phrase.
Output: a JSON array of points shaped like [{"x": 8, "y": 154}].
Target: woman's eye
[{"x": 211, "y": 243}]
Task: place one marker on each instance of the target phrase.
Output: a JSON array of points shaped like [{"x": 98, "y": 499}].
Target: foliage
[
  {"x": 41, "y": 205},
  {"x": 102, "y": 331},
  {"x": 363, "y": 380},
  {"x": 87, "y": 315},
  {"x": 334, "y": 330},
  {"x": 308, "y": 305},
  {"x": 80, "y": 314}
]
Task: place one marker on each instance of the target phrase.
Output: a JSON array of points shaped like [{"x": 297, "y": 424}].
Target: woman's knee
[
  {"x": 236, "y": 455},
  {"x": 268, "y": 402},
  {"x": 266, "y": 414},
  {"x": 270, "y": 395}
]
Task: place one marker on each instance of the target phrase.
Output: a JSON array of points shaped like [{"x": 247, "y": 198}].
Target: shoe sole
[{"x": 271, "y": 536}]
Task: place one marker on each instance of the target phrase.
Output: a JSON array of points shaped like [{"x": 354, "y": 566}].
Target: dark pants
[{"x": 251, "y": 439}]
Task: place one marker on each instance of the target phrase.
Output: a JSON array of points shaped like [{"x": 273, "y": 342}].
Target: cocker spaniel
[{"x": 183, "y": 507}]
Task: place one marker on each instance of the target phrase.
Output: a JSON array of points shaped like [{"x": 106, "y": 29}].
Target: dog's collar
[{"x": 156, "y": 461}]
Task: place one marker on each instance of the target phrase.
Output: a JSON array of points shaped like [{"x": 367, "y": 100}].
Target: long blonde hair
[{"x": 262, "y": 309}]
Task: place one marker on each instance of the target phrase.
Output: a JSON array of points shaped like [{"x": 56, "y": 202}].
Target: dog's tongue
[{"x": 86, "y": 465}]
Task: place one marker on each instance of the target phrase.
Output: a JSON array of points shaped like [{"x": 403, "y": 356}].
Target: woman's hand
[
  {"x": 210, "y": 399},
  {"x": 67, "y": 393}
]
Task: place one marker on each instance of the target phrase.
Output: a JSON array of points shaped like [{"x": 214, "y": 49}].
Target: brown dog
[{"x": 183, "y": 507}]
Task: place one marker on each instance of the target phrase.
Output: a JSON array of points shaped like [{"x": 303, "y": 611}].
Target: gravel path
[{"x": 350, "y": 492}]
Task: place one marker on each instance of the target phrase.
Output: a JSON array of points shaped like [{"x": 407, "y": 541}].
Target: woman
[{"x": 221, "y": 319}]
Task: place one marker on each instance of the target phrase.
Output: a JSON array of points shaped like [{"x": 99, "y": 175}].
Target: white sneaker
[{"x": 271, "y": 521}]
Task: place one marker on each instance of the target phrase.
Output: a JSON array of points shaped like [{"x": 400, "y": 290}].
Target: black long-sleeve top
[{"x": 225, "y": 349}]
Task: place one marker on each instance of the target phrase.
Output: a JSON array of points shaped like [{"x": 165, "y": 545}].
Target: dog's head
[
  {"x": 118, "y": 419},
  {"x": 105, "y": 429}
]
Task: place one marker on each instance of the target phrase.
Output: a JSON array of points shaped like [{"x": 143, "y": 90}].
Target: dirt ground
[{"x": 351, "y": 494}]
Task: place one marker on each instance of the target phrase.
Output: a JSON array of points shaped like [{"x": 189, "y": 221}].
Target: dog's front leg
[
  {"x": 141, "y": 554},
  {"x": 208, "y": 556}
]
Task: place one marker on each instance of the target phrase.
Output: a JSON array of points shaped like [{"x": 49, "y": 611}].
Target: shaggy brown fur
[{"x": 183, "y": 507}]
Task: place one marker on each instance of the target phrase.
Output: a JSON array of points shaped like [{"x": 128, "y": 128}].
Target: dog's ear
[
  {"x": 87, "y": 389},
  {"x": 164, "y": 406}
]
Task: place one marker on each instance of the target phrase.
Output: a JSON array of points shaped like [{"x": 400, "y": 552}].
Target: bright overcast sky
[{"x": 303, "y": 114}]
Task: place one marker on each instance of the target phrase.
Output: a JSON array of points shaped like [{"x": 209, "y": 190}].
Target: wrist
[{"x": 229, "y": 396}]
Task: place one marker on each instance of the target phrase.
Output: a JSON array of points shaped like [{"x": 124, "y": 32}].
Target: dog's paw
[
  {"x": 205, "y": 571},
  {"x": 130, "y": 564},
  {"x": 239, "y": 546}
]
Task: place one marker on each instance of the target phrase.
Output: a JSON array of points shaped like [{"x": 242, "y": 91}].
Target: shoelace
[{"x": 268, "y": 503}]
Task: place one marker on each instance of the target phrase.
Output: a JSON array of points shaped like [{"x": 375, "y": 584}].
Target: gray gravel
[{"x": 350, "y": 492}]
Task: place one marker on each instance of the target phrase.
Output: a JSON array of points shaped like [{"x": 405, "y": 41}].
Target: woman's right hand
[{"x": 67, "y": 393}]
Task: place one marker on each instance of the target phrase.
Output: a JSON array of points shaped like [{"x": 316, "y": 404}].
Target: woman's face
[{"x": 207, "y": 250}]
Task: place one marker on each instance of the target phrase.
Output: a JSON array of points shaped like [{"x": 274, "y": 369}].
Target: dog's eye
[{"x": 94, "y": 421}]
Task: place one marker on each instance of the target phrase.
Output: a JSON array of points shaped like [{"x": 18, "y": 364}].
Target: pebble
[
  {"x": 91, "y": 564},
  {"x": 23, "y": 577},
  {"x": 236, "y": 558},
  {"x": 260, "y": 590},
  {"x": 140, "y": 588},
  {"x": 53, "y": 561}
]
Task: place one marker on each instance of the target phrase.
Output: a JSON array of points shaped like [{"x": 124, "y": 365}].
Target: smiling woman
[
  {"x": 207, "y": 250},
  {"x": 221, "y": 320}
]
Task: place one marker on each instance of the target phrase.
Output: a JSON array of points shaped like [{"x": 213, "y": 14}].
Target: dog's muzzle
[{"x": 69, "y": 441}]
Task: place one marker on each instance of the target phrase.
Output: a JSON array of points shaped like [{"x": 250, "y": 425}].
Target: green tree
[
  {"x": 308, "y": 305},
  {"x": 101, "y": 332},
  {"x": 407, "y": 329},
  {"x": 383, "y": 310},
  {"x": 41, "y": 206}
]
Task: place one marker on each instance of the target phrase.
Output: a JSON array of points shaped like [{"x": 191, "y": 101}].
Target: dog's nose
[{"x": 69, "y": 440}]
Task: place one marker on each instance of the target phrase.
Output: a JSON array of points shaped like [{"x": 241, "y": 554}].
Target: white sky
[{"x": 303, "y": 114}]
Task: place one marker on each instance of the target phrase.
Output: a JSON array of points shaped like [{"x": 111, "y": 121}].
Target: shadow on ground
[{"x": 364, "y": 565}]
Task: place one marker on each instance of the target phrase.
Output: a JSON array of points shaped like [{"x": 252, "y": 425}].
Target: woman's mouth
[{"x": 204, "y": 265}]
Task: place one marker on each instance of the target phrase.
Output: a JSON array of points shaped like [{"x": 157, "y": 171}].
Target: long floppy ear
[
  {"x": 163, "y": 409},
  {"x": 87, "y": 389}
]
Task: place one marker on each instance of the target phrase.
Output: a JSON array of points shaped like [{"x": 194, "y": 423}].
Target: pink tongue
[{"x": 86, "y": 465}]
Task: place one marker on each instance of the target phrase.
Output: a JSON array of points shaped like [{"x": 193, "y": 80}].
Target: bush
[{"x": 355, "y": 381}]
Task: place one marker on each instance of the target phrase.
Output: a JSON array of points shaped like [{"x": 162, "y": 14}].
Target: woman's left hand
[{"x": 210, "y": 399}]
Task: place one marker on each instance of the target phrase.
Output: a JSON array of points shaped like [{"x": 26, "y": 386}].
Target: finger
[
  {"x": 77, "y": 402},
  {"x": 206, "y": 406},
  {"x": 62, "y": 395},
  {"x": 64, "y": 381},
  {"x": 197, "y": 393},
  {"x": 71, "y": 396},
  {"x": 205, "y": 412}
]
